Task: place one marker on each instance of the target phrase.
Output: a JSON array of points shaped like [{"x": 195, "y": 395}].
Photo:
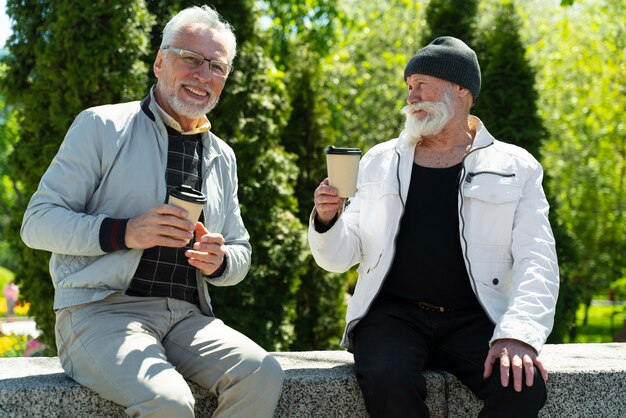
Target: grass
[{"x": 603, "y": 322}]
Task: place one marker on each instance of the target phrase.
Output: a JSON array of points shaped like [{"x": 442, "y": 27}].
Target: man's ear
[
  {"x": 158, "y": 64},
  {"x": 462, "y": 91}
]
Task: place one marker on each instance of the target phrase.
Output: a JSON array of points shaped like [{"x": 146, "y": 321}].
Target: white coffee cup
[
  {"x": 343, "y": 169},
  {"x": 188, "y": 198}
]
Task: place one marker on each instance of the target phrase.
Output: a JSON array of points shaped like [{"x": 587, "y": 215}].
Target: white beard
[
  {"x": 438, "y": 116},
  {"x": 187, "y": 109}
]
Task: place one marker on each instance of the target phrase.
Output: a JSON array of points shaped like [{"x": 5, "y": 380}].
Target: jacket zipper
[
  {"x": 470, "y": 176},
  {"x": 350, "y": 325}
]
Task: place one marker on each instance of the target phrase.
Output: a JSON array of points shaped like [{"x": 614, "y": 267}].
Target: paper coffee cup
[
  {"x": 189, "y": 199},
  {"x": 343, "y": 169}
]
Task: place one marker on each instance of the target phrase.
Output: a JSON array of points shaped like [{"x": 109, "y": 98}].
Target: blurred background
[{"x": 314, "y": 73}]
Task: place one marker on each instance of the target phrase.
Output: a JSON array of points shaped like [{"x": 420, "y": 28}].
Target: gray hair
[{"x": 203, "y": 15}]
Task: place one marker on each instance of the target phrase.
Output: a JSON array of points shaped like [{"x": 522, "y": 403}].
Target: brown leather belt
[{"x": 433, "y": 308}]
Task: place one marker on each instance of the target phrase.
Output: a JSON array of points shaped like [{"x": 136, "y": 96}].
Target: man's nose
[
  {"x": 203, "y": 72},
  {"x": 413, "y": 97}
]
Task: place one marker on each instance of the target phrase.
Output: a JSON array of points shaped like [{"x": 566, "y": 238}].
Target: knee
[
  {"x": 176, "y": 407},
  {"x": 270, "y": 372},
  {"x": 266, "y": 370},
  {"x": 532, "y": 395},
  {"x": 175, "y": 402},
  {"x": 376, "y": 378}
]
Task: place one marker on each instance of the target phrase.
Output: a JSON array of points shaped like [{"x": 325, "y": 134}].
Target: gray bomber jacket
[{"x": 111, "y": 164}]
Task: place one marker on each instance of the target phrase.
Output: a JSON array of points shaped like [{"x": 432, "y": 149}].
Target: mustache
[{"x": 428, "y": 107}]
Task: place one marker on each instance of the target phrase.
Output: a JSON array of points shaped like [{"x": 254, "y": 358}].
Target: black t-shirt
[{"x": 428, "y": 265}]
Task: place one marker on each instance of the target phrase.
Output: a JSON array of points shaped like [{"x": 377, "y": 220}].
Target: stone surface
[{"x": 586, "y": 380}]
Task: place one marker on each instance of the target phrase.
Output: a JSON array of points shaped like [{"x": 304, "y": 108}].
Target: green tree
[
  {"x": 580, "y": 52},
  {"x": 299, "y": 37},
  {"x": 251, "y": 116},
  {"x": 9, "y": 185},
  {"x": 362, "y": 88},
  {"x": 320, "y": 297},
  {"x": 452, "y": 18},
  {"x": 508, "y": 105},
  {"x": 508, "y": 100},
  {"x": 63, "y": 58}
]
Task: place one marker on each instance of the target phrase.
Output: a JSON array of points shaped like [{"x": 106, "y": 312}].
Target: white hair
[
  {"x": 203, "y": 15},
  {"x": 438, "y": 116}
]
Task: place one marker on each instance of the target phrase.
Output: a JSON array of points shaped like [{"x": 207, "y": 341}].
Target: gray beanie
[{"x": 449, "y": 59}]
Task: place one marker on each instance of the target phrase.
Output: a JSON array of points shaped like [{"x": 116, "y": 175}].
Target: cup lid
[
  {"x": 342, "y": 151},
  {"x": 188, "y": 194}
]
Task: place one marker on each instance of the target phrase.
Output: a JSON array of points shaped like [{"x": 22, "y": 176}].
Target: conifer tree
[
  {"x": 251, "y": 116},
  {"x": 451, "y": 18},
  {"x": 62, "y": 59},
  {"x": 508, "y": 100}
]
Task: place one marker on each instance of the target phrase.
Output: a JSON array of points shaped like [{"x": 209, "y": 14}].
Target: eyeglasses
[{"x": 193, "y": 60}]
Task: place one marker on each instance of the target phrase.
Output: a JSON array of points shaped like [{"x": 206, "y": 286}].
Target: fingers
[
  {"x": 200, "y": 230},
  {"x": 327, "y": 202},
  {"x": 505, "y": 367},
  {"x": 164, "y": 225},
  {"x": 529, "y": 371},
  {"x": 539, "y": 363},
  {"x": 208, "y": 251},
  {"x": 206, "y": 262},
  {"x": 489, "y": 364},
  {"x": 517, "y": 359}
]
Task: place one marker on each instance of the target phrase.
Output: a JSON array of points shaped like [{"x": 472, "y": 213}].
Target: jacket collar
[
  {"x": 405, "y": 151},
  {"x": 482, "y": 138},
  {"x": 150, "y": 108}
]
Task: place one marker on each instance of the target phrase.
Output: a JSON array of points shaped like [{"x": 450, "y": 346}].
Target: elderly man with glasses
[{"x": 131, "y": 273}]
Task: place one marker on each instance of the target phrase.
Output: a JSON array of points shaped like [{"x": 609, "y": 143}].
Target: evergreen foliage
[
  {"x": 581, "y": 54},
  {"x": 9, "y": 185},
  {"x": 508, "y": 106},
  {"x": 362, "y": 90},
  {"x": 329, "y": 72},
  {"x": 63, "y": 58},
  {"x": 277, "y": 296},
  {"x": 451, "y": 18},
  {"x": 251, "y": 118},
  {"x": 104, "y": 53},
  {"x": 320, "y": 297},
  {"x": 299, "y": 38},
  {"x": 507, "y": 103}
]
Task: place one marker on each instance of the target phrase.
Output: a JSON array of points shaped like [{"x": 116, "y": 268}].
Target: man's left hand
[
  {"x": 515, "y": 356},
  {"x": 208, "y": 251}
]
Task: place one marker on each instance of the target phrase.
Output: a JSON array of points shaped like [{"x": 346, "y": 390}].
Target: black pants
[{"x": 396, "y": 341}]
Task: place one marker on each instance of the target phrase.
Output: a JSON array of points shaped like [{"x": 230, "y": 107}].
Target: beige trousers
[{"x": 139, "y": 351}]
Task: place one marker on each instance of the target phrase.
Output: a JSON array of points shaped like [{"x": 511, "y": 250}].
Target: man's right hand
[
  {"x": 164, "y": 225},
  {"x": 327, "y": 202}
]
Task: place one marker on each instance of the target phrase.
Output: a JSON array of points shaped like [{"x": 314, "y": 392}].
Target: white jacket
[{"x": 506, "y": 239}]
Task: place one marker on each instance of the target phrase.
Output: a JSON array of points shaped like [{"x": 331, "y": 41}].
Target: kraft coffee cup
[
  {"x": 343, "y": 169},
  {"x": 188, "y": 198}
]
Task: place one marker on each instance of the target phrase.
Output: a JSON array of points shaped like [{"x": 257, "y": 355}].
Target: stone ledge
[{"x": 586, "y": 380}]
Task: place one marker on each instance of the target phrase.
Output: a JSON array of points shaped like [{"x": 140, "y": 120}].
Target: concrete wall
[{"x": 586, "y": 380}]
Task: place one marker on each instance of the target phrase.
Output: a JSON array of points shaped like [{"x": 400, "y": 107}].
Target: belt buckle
[{"x": 429, "y": 307}]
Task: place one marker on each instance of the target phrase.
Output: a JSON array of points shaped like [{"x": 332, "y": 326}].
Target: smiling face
[{"x": 184, "y": 92}]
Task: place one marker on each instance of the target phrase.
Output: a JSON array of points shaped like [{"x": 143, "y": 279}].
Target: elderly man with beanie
[{"x": 456, "y": 258}]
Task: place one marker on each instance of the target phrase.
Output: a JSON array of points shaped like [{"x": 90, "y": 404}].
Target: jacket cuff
[
  {"x": 113, "y": 234},
  {"x": 220, "y": 270}
]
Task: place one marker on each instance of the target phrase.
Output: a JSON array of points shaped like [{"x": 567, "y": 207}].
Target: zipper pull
[{"x": 469, "y": 177}]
